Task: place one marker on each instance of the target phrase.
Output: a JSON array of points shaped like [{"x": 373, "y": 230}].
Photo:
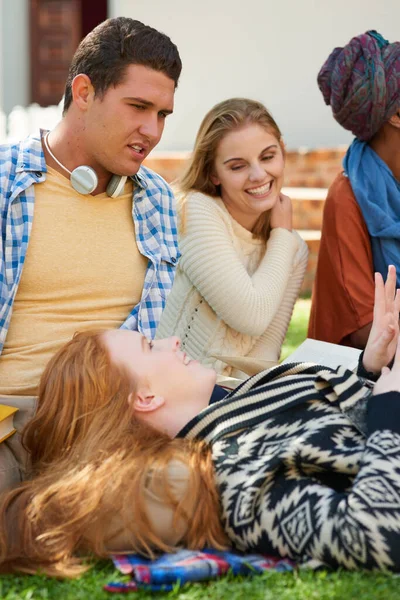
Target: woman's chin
[{"x": 264, "y": 205}]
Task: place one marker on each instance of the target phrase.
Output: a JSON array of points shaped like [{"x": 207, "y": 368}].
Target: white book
[{"x": 326, "y": 354}]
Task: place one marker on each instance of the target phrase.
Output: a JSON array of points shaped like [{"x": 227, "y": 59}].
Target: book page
[
  {"x": 6, "y": 421},
  {"x": 6, "y": 428},
  {"x": 326, "y": 354}
]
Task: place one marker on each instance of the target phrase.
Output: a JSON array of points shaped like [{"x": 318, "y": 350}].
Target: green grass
[
  {"x": 269, "y": 586},
  {"x": 303, "y": 585},
  {"x": 297, "y": 331}
]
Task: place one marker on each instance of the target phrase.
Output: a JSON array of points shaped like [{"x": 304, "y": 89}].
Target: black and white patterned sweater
[{"x": 307, "y": 464}]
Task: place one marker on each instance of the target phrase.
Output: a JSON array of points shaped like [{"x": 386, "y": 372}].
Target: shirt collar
[
  {"x": 218, "y": 394},
  {"x": 140, "y": 179},
  {"x": 31, "y": 155}
]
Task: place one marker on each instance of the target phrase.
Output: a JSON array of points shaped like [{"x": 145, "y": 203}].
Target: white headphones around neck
[{"x": 84, "y": 179}]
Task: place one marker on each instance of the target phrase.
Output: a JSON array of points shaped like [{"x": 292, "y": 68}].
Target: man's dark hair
[{"x": 105, "y": 52}]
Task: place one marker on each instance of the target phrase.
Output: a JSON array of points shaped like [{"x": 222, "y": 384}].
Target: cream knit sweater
[{"x": 233, "y": 295}]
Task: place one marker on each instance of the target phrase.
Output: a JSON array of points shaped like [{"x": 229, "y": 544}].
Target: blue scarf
[{"x": 378, "y": 195}]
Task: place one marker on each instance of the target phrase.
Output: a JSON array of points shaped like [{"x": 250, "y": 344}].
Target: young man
[
  {"x": 74, "y": 252},
  {"x": 360, "y": 231}
]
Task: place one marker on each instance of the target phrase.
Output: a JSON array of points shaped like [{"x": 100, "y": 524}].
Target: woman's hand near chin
[
  {"x": 281, "y": 213},
  {"x": 384, "y": 334}
]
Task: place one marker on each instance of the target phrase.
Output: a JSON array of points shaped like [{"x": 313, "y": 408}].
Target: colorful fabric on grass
[
  {"x": 164, "y": 573},
  {"x": 361, "y": 82}
]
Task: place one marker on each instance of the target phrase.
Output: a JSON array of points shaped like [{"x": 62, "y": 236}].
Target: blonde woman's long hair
[
  {"x": 91, "y": 460},
  {"x": 223, "y": 118}
]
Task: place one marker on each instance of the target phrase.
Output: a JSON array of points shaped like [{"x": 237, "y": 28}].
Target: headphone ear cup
[
  {"x": 84, "y": 180},
  {"x": 116, "y": 185}
]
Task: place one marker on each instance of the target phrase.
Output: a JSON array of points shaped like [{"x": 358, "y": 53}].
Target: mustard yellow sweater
[{"x": 233, "y": 295}]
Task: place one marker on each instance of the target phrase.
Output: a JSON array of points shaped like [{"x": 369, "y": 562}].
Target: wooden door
[{"x": 56, "y": 28}]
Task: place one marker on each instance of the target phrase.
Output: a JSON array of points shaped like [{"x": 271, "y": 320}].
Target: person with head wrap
[{"x": 361, "y": 225}]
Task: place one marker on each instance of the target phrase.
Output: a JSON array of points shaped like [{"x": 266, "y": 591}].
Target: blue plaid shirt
[{"x": 22, "y": 165}]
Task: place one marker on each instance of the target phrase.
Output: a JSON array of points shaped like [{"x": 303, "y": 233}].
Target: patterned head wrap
[{"x": 361, "y": 82}]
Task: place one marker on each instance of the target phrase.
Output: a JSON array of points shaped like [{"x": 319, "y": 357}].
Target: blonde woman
[{"x": 242, "y": 265}]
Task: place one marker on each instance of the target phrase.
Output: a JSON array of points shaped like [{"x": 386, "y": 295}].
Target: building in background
[
  {"x": 38, "y": 39},
  {"x": 269, "y": 50},
  {"x": 262, "y": 49},
  {"x": 55, "y": 29}
]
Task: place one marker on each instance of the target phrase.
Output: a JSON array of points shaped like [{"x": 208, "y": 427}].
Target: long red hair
[{"x": 92, "y": 460}]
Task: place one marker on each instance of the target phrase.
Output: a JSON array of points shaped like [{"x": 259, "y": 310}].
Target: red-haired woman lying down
[{"x": 134, "y": 448}]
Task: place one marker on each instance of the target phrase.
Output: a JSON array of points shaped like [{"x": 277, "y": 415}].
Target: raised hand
[
  {"x": 382, "y": 341},
  {"x": 281, "y": 213},
  {"x": 389, "y": 381}
]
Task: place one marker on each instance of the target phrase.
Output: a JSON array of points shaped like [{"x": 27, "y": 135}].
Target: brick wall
[
  {"x": 304, "y": 168},
  {"x": 313, "y": 168}
]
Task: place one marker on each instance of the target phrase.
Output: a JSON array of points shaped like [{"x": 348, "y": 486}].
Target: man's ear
[
  {"x": 395, "y": 120},
  {"x": 145, "y": 401},
  {"x": 82, "y": 91}
]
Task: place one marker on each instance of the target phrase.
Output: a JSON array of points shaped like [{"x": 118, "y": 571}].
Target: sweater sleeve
[
  {"x": 269, "y": 345},
  {"x": 209, "y": 259},
  {"x": 343, "y": 291},
  {"x": 357, "y": 528}
]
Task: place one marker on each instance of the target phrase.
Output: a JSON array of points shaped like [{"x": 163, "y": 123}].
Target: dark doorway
[{"x": 56, "y": 28}]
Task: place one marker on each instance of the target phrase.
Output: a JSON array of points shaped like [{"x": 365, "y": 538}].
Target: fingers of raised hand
[
  {"x": 396, "y": 308},
  {"x": 387, "y": 298},
  {"x": 390, "y": 288},
  {"x": 379, "y": 303}
]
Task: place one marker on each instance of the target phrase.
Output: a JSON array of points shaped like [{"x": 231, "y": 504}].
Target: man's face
[{"x": 124, "y": 125}]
